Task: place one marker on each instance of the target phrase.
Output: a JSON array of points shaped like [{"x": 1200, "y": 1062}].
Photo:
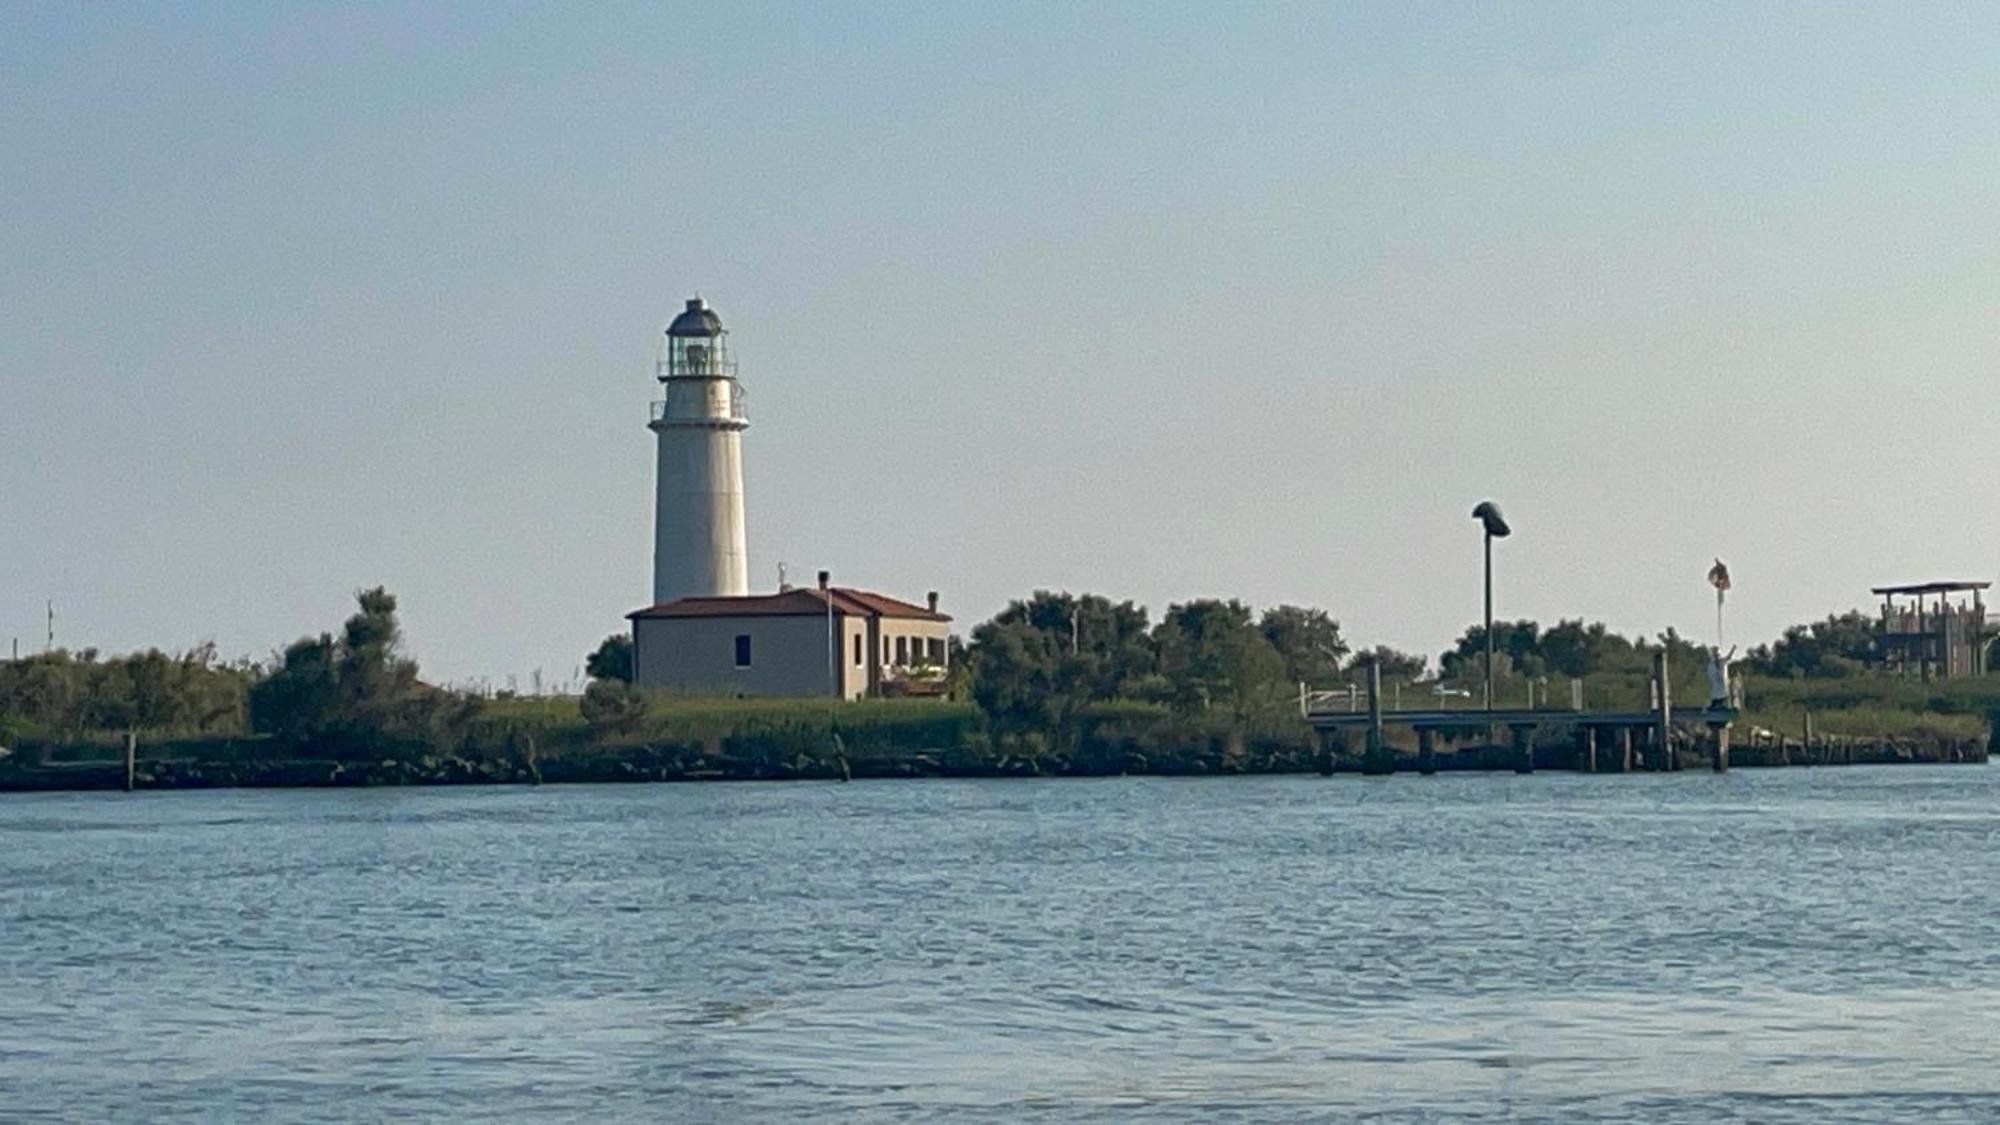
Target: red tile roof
[{"x": 806, "y": 602}]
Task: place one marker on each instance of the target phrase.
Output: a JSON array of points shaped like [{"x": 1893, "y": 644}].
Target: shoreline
[{"x": 673, "y": 765}]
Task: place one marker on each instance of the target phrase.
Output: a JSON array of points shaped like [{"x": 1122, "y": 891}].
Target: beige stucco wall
[
  {"x": 787, "y": 654},
  {"x": 698, "y": 654},
  {"x": 853, "y": 642}
]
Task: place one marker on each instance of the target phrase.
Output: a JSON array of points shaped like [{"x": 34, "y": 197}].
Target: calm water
[{"x": 1795, "y": 945}]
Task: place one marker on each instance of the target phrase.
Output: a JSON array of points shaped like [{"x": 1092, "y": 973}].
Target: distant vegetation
[
  {"x": 63, "y": 694},
  {"x": 331, "y": 696},
  {"x": 355, "y": 693},
  {"x": 1055, "y": 680}
]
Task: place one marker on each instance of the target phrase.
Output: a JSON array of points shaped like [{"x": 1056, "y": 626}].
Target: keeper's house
[{"x": 832, "y": 640}]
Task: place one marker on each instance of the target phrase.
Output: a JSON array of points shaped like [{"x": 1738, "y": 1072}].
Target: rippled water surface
[{"x": 1789, "y": 945}]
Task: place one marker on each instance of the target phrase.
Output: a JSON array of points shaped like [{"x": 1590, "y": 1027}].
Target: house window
[
  {"x": 743, "y": 650},
  {"x": 935, "y": 648},
  {"x": 857, "y": 650},
  {"x": 902, "y": 650}
]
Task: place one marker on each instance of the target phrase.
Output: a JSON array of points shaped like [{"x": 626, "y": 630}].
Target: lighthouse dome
[{"x": 696, "y": 320}]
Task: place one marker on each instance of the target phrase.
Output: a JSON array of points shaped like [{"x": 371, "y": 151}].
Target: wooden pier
[{"x": 1648, "y": 733}]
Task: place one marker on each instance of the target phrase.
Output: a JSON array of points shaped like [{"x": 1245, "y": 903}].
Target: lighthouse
[
  {"x": 704, "y": 632},
  {"x": 698, "y": 548}
]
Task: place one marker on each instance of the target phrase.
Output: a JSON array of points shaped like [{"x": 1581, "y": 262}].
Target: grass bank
[{"x": 683, "y": 738}]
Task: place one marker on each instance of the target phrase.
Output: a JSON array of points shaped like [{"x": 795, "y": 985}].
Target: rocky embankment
[{"x": 720, "y": 762}]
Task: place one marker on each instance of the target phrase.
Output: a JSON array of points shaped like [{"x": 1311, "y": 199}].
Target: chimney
[
  {"x": 932, "y": 598},
  {"x": 825, "y": 577}
]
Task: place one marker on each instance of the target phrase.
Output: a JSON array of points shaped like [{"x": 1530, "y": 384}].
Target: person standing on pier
[{"x": 1718, "y": 678}]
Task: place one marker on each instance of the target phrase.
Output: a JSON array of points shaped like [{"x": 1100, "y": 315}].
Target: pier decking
[
  {"x": 1654, "y": 727},
  {"x": 1462, "y": 718}
]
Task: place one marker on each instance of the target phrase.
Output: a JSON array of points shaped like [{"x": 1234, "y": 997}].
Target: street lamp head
[{"x": 1488, "y": 513}]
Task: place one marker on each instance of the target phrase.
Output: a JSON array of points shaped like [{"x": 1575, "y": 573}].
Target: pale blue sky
[{"x": 1158, "y": 301}]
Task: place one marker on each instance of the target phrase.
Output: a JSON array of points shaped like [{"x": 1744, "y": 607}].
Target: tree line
[
  {"x": 350, "y": 692},
  {"x": 1050, "y": 653},
  {"x": 1037, "y": 666}
]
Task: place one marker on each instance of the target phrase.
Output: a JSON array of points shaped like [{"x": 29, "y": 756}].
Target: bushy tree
[
  {"x": 1396, "y": 665},
  {"x": 1018, "y": 678},
  {"x": 1105, "y": 644},
  {"x": 612, "y": 660},
  {"x": 612, "y": 706},
  {"x": 1572, "y": 648},
  {"x": 1213, "y": 655},
  {"x": 1041, "y": 661},
  {"x": 1682, "y": 652},
  {"x": 63, "y": 693},
  {"x": 1841, "y": 644},
  {"x": 1307, "y": 640},
  {"x": 1518, "y": 643},
  {"x": 958, "y": 677},
  {"x": 355, "y": 692}
]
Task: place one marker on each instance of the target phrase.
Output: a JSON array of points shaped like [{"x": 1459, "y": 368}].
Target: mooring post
[
  {"x": 131, "y": 758},
  {"x": 1720, "y": 763},
  {"x": 1374, "y": 706},
  {"x": 1664, "y": 692},
  {"x": 1426, "y": 751},
  {"x": 1808, "y": 733},
  {"x": 1376, "y": 756},
  {"x": 1624, "y": 749},
  {"x": 1524, "y": 748},
  {"x": 1590, "y": 749}
]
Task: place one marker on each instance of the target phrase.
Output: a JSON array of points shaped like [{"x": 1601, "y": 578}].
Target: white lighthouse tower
[{"x": 698, "y": 532}]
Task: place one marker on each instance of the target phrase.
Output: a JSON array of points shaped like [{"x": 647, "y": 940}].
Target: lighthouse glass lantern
[{"x": 697, "y": 345}]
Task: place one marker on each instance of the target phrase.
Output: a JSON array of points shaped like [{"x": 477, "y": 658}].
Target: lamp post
[{"x": 1488, "y": 514}]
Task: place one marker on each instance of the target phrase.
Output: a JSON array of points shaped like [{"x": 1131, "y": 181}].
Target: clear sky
[{"x": 1156, "y": 301}]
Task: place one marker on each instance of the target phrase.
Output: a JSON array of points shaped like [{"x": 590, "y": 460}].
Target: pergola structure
[{"x": 1934, "y": 630}]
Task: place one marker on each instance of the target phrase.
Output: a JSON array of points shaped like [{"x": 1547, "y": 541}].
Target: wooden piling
[
  {"x": 1590, "y": 749},
  {"x": 1377, "y": 757},
  {"x": 131, "y": 758},
  {"x": 1426, "y": 751},
  {"x": 1624, "y": 749},
  {"x": 1374, "y": 707},
  {"x": 1664, "y": 692},
  {"x": 1720, "y": 763},
  {"x": 1524, "y": 748}
]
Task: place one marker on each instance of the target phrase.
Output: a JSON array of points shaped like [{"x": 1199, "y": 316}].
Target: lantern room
[{"x": 696, "y": 345}]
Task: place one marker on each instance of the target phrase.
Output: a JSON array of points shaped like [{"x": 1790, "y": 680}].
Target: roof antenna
[{"x": 782, "y": 584}]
